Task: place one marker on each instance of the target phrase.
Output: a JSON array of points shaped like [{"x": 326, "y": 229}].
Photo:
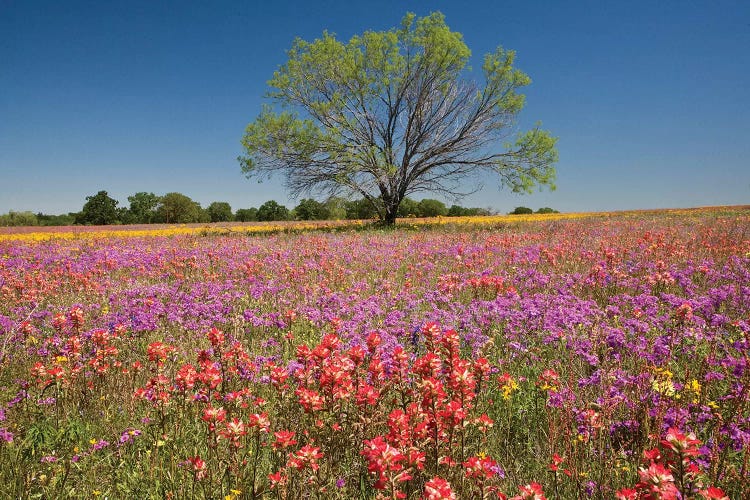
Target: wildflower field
[{"x": 602, "y": 357}]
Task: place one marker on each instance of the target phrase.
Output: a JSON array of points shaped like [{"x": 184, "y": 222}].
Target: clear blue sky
[{"x": 650, "y": 99}]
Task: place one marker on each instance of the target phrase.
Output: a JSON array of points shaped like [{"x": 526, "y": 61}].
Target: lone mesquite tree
[{"x": 391, "y": 113}]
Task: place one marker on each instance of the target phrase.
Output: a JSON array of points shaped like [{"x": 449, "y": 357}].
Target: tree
[
  {"x": 220, "y": 211},
  {"x": 309, "y": 209},
  {"x": 431, "y": 208},
  {"x": 547, "y": 210},
  {"x": 521, "y": 211},
  {"x": 143, "y": 207},
  {"x": 99, "y": 210},
  {"x": 271, "y": 211},
  {"x": 391, "y": 113},
  {"x": 246, "y": 214},
  {"x": 457, "y": 211},
  {"x": 408, "y": 207},
  {"x": 177, "y": 208},
  {"x": 360, "y": 209},
  {"x": 336, "y": 207}
]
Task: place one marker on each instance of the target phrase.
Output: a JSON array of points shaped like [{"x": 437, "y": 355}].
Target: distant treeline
[{"x": 149, "y": 208}]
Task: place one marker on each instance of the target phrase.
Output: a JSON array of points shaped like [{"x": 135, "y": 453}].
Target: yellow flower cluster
[
  {"x": 181, "y": 230},
  {"x": 662, "y": 382}
]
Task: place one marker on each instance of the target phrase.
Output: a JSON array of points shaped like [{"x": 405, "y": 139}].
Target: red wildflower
[
  {"x": 356, "y": 354},
  {"x": 532, "y": 491},
  {"x": 713, "y": 493},
  {"x": 234, "y": 430},
  {"x": 480, "y": 467},
  {"x": 658, "y": 481},
  {"x": 307, "y": 456},
  {"x": 556, "y": 461},
  {"x": 260, "y": 420},
  {"x": 548, "y": 380},
  {"x": 684, "y": 312},
  {"x": 210, "y": 375},
  {"x": 367, "y": 395},
  {"x": 428, "y": 365},
  {"x": 158, "y": 351},
  {"x": 438, "y": 488},
  {"x": 59, "y": 321},
  {"x": 76, "y": 316},
  {"x": 213, "y": 415},
  {"x": 309, "y": 399},
  {"x": 279, "y": 374},
  {"x": 484, "y": 422},
  {"x": 216, "y": 337},
  {"x": 652, "y": 455},
  {"x": 277, "y": 479},
  {"x": 290, "y": 315},
  {"x": 450, "y": 342},
  {"x": 284, "y": 439},
  {"x": 683, "y": 445},
  {"x": 185, "y": 378},
  {"x": 462, "y": 379},
  {"x": 373, "y": 341},
  {"x": 382, "y": 458},
  {"x": 481, "y": 368},
  {"x": 198, "y": 466}
]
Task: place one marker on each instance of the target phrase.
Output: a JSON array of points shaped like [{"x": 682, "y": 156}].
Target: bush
[{"x": 18, "y": 219}]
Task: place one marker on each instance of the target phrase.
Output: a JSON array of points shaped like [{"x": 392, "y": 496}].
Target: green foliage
[
  {"x": 143, "y": 208},
  {"x": 408, "y": 208},
  {"x": 18, "y": 219},
  {"x": 547, "y": 210},
  {"x": 99, "y": 210},
  {"x": 246, "y": 214},
  {"x": 272, "y": 211},
  {"x": 428, "y": 128},
  {"x": 521, "y": 211},
  {"x": 176, "y": 208},
  {"x": 336, "y": 207},
  {"x": 459, "y": 211},
  {"x": 432, "y": 208},
  {"x": 360, "y": 209},
  {"x": 56, "y": 220},
  {"x": 220, "y": 211},
  {"x": 309, "y": 209}
]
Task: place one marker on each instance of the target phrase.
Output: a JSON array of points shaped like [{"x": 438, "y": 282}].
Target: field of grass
[{"x": 566, "y": 356}]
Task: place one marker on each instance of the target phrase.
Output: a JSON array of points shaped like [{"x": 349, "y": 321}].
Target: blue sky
[{"x": 649, "y": 100}]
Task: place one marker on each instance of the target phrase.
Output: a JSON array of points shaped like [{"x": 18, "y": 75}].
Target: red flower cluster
[{"x": 670, "y": 473}]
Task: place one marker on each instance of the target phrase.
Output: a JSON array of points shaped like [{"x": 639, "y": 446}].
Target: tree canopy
[
  {"x": 220, "y": 211},
  {"x": 143, "y": 207},
  {"x": 99, "y": 210},
  {"x": 309, "y": 209},
  {"x": 391, "y": 113},
  {"x": 271, "y": 211},
  {"x": 246, "y": 214},
  {"x": 178, "y": 208}
]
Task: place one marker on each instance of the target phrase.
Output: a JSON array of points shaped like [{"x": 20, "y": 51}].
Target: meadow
[{"x": 599, "y": 356}]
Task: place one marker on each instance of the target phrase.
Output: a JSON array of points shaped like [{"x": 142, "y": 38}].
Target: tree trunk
[
  {"x": 390, "y": 219},
  {"x": 390, "y": 214}
]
